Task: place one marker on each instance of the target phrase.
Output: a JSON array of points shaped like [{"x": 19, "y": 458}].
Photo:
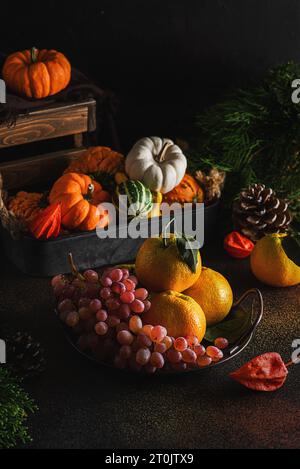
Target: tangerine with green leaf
[{"x": 165, "y": 264}]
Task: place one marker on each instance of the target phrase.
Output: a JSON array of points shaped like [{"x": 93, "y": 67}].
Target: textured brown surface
[{"x": 84, "y": 406}]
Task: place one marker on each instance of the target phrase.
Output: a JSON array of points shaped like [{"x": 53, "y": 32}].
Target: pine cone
[
  {"x": 258, "y": 212},
  {"x": 25, "y": 356}
]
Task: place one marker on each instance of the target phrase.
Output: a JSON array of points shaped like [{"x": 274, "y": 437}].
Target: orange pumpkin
[
  {"x": 97, "y": 160},
  {"x": 188, "y": 191},
  {"x": 36, "y": 73},
  {"x": 27, "y": 205},
  {"x": 79, "y": 196}
]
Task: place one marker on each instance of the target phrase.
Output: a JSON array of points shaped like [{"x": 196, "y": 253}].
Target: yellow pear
[{"x": 271, "y": 265}]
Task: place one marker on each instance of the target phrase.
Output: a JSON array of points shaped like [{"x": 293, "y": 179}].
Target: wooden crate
[{"x": 75, "y": 119}]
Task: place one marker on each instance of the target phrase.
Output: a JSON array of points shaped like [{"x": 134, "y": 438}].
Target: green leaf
[
  {"x": 188, "y": 254},
  {"x": 291, "y": 246},
  {"x": 232, "y": 328}
]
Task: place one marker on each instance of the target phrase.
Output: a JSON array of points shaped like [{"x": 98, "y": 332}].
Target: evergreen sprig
[
  {"x": 15, "y": 404},
  {"x": 254, "y": 135}
]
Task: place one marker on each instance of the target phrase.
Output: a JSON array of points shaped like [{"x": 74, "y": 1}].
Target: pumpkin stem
[
  {"x": 161, "y": 156},
  {"x": 90, "y": 192},
  {"x": 74, "y": 269},
  {"x": 34, "y": 52}
]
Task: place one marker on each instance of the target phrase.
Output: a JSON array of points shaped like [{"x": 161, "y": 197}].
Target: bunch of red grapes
[{"x": 105, "y": 314}]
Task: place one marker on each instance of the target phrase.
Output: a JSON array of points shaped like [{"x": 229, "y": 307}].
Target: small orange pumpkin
[
  {"x": 188, "y": 191},
  {"x": 47, "y": 223},
  {"x": 79, "y": 196},
  {"x": 27, "y": 205},
  {"x": 36, "y": 73},
  {"x": 97, "y": 160}
]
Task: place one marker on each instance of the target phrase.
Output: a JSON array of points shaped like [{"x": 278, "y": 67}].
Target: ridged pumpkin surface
[
  {"x": 79, "y": 196},
  {"x": 36, "y": 73}
]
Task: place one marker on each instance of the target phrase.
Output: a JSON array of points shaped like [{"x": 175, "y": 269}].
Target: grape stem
[{"x": 74, "y": 269}]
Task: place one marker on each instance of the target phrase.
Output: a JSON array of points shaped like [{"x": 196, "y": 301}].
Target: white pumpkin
[{"x": 158, "y": 163}]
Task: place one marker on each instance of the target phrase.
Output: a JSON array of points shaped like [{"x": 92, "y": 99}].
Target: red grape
[
  {"x": 112, "y": 321},
  {"x": 180, "y": 344},
  {"x": 144, "y": 341},
  {"x": 160, "y": 347},
  {"x": 127, "y": 297},
  {"x": 125, "y": 338},
  {"x": 147, "y": 305},
  {"x": 141, "y": 294},
  {"x": 158, "y": 333},
  {"x": 147, "y": 330},
  {"x": 84, "y": 302},
  {"x": 101, "y": 328},
  {"x": 66, "y": 306},
  {"x": 168, "y": 342},
  {"x": 106, "y": 281},
  {"x": 150, "y": 369},
  {"x": 199, "y": 350},
  {"x": 133, "y": 365},
  {"x": 204, "y": 361},
  {"x": 123, "y": 326},
  {"x": 133, "y": 279},
  {"x": 72, "y": 319},
  {"x": 84, "y": 313},
  {"x": 174, "y": 356},
  {"x": 221, "y": 343},
  {"x": 58, "y": 280},
  {"x": 95, "y": 305},
  {"x": 124, "y": 311},
  {"x": 113, "y": 304},
  {"x": 101, "y": 315},
  {"x": 135, "y": 324},
  {"x": 58, "y": 289},
  {"x": 214, "y": 353},
  {"x": 115, "y": 275},
  {"x": 157, "y": 360},
  {"x": 77, "y": 283},
  {"x": 105, "y": 293},
  {"x": 143, "y": 356},
  {"x": 125, "y": 274},
  {"x": 192, "y": 341},
  {"x": 91, "y": 276},
  {"x": 129, "y": 284},
  {"x": 118, "y": 288},
  {"x": 179, "y": 367},
  {"x": 91, "y": 290},
  {"x": 189, "y": 356},
  {"x": 137, "y": 306}
]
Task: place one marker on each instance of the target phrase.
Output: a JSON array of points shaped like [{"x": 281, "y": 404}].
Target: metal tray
[{"x": 256, "y": 312}]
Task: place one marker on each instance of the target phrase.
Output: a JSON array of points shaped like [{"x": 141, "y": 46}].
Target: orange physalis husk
[
  {"x": 47, "y": 223},
  {"x": 266, "y": 372},
  {"x": 237, "y": 245}
]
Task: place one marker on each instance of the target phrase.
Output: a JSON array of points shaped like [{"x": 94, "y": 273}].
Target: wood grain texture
[
  {"x": 49, "y": 123},
  {"x": 36, "y": 170}
]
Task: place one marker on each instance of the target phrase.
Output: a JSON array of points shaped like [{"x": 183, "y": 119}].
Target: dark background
[{"x": 165, "y": 59}]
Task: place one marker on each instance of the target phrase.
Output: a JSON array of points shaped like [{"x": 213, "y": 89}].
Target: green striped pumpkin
[{"x": 139, "y": 198}]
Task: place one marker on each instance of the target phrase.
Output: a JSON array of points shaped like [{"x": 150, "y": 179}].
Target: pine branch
[{"x": 15, "y": 405}]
